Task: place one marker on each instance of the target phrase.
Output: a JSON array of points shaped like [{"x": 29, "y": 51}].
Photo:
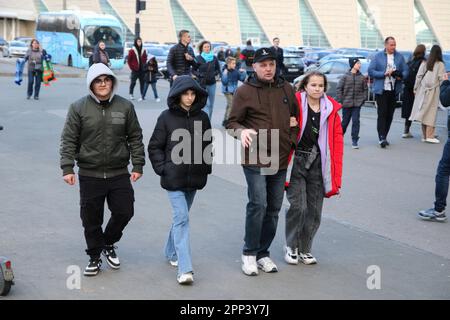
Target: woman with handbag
[
  {"x": 34, "y": 56},
  {"x": 206, "y": 71},
  {"x": 427, "y": 89}
]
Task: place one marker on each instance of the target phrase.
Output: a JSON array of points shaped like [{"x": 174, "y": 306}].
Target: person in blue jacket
[
  {"x": 388, "y": 68},
  {"x": 230, "y": 78}
]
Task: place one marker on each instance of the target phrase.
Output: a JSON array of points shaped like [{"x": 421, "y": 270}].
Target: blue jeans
[
  {"x": 155, "y": 91},
  {"x": 32, "y": 77},
  {"x": 442, "y": 179},
  {"x": 353, "y": 114},
  {"x": 177, "y": 246},
  {"x": 265, "y": 194},
  {"x": 211, "y": 97}
]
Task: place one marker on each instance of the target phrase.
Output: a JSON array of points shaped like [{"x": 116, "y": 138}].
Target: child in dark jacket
[
  {"x": 182, "y": 173},
  {"x": 351, "y": 94},
  {"x": 151, "y": 76},
  {"x": 230, "y": 78}
]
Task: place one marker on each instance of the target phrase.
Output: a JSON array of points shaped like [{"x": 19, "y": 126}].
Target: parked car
[
  {"x": 313, "y": 57},
  {"x": 294, "y": 67},
  {"x": 27, "y": 40},
  {"x": 15, "y": 48}
]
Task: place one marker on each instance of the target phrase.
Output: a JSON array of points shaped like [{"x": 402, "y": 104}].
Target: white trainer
[
  {"x": 157, "y": 99},
  {"x": 432, "y": 140},
  {"x": 131, "y": 97},
  {"x": 307, "y": 258},
  {"x": 290, "y": 256},
  {"x": 185, "y": 278},
  {"x": 267, "y": 265},
  {"x": 173, "y": 263},
  {"x": 249, "y": 266}
]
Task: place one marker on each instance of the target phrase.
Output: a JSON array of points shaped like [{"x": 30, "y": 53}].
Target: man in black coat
[
  {"x": 279, "y": 54},
  {"x": 181, "y": 57}
]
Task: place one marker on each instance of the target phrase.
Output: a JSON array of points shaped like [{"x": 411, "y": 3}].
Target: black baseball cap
[{"x": 263, "y": 54}]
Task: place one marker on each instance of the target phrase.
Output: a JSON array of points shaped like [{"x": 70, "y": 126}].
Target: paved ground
[{"x": 373, "y": 222}]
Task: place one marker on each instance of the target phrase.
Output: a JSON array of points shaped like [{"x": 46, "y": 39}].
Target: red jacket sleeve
[{"x": 338, "y": 150}]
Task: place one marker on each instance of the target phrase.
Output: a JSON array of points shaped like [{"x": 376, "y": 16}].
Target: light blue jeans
[
  {"x": 177, "y": 246},
  {"x": 211, "y": 97}
]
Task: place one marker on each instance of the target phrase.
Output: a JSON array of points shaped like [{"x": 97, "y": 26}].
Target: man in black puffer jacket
[
  {"x": 181, "y": 57},
  {"x": 179, "y": 160}
]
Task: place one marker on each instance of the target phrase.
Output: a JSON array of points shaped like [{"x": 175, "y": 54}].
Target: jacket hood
[
  {"x": 98, "y": 69},
  {"x": 180, "y": 85}
]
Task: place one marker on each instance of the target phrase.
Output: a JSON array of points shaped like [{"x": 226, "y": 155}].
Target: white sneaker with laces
[
  {"x": 432, "y": 140},
  {"x": 185, "y": 278},
  {"x": 290, "y": 256},
  {"x": 307, "y": 258},
  {"x": 249, "y": 266},
  {"x": 267, "y": 265}
]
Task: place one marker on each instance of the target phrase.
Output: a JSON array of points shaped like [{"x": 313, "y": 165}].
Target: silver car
[{"x": 15, "y": 48}]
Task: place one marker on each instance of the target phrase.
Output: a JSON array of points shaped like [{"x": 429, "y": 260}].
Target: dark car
[{"x": 294, "y": 67}]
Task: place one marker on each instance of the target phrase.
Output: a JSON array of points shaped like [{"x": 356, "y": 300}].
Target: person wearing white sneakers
[
  {"x": 427, "y": 88},
  {"x": 317, "y": 166},
  {"x": 264, "y": 102}
]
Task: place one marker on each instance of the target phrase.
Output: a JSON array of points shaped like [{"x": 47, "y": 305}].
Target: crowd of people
[{"x": 306, "y": 156}]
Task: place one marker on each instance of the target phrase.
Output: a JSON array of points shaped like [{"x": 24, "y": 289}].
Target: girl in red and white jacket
[{"x": 317, "y": 166}]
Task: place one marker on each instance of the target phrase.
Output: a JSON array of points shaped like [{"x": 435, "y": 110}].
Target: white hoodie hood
[{"x": 98, "y": 69}]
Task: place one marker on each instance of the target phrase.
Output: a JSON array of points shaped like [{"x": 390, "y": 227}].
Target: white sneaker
[
  {"x": 157, "y": 99},
  {"x": 140, "y": 99},
  {"x": 307, "y": 258},
  {"x": 173, "y": 263},
  {"x": 131, "y": 97},
  {"x": 185, "y": 278},
  {"x": 432, "y": 140},
  {"x": 290, "y": 256},
  {"x": 249, "y": 265},
  {"x": 267, "y": 265}
]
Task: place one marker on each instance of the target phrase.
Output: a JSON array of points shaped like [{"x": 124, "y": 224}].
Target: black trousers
[
  {"x": 134, "y": 76},
  {"x": 386, "y": 107},
  {"x": 119, "y": 195}
]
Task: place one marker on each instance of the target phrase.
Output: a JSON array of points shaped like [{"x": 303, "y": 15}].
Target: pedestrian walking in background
[
  {"x": 427, "y": 88},
  {"x": 247, "y": 56},
  {"x": 263, "y": 103},
  {"x": 230, "y": 78},
  {"x": 100, "y": 133},
  {"x": 437, "y": 213},
  {"x": 100, "y": 55},
  {"x": 408, "y": 90},
  {"x": 151, "y": 77},
  {"x": 352, "y": 94},
  {"x": 206, "y": 70},
  {"x": 317, "y": 166},
  {"x": 137, "y": 59},
  {"x": 180, "y": 59},
  {"x": 181, "y": 180},
  {"x": 34, "y": 56},
  {"x": 387, "y": 68},
  {"x": 279, "y": 53}
]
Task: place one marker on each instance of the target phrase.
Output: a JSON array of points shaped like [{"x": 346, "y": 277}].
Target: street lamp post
[{"x": 140, "y": 6}]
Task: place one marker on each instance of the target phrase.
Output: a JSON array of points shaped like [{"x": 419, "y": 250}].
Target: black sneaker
[
  {"x": 36, "y": 98},
  {"x": 93, "y": 268},
  {"x": 111, "y": 257},
  {"x": 383, "y": 144}
]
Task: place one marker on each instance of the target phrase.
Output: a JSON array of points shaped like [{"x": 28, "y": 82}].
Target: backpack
[{"x": 249, "y": 57}]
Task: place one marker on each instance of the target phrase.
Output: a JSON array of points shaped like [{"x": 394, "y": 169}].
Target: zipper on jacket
[
  {"x": 104, "y": 143},
  {"x": 354, "y": 88},
  {"x": 193, "y": 137}
]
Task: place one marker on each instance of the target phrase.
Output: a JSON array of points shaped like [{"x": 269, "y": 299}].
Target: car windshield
[
  {"x": 292, "y": 60},
  {"x": 17, "y": 44},
  {"x": 155, "y": 51}
]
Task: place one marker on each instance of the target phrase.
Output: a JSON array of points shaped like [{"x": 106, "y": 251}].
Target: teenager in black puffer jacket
[{"x": 182, "y": 166}]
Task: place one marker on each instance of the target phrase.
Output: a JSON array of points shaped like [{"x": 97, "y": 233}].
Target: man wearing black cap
[
  {"x": 351, "y": 93},
  {"x": 263, "y": 107}
]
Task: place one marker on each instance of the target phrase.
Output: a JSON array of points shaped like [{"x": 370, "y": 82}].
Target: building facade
[{"x": 318, "y": 23}]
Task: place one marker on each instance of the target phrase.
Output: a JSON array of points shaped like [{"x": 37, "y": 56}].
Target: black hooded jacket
[{"x": 191, "y": 174}]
